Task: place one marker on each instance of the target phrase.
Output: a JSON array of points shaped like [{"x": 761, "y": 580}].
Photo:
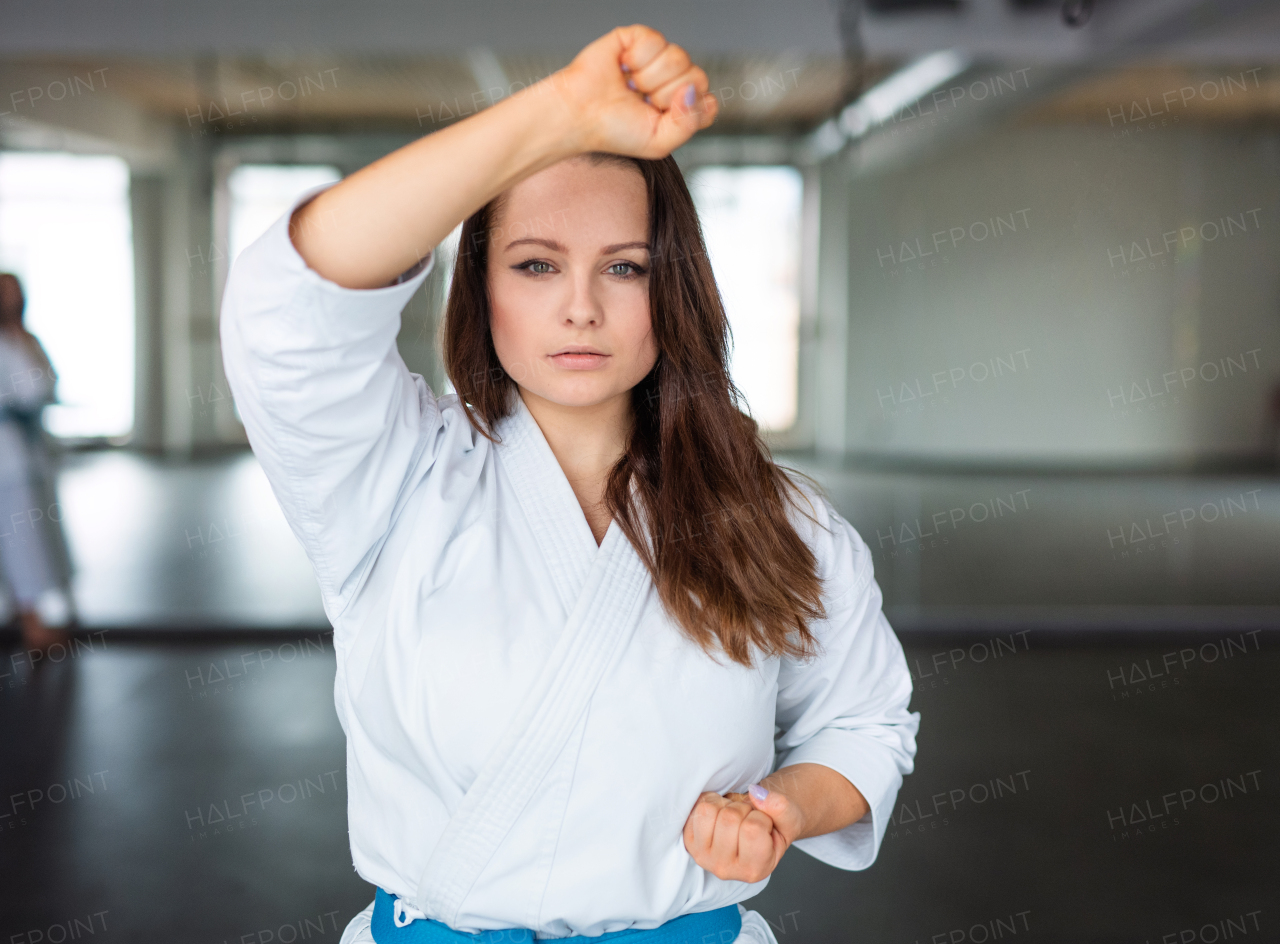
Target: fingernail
[
  {"x": 689, "y": 94},
  {"x": 631, "y": 84},
  {"x": 758, "y": 792},
  {"x": 625, "y": 67}
]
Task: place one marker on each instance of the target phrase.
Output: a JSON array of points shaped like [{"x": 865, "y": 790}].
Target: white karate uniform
[
  {"x": 35, "y": 568},
  {"x": 493, "y": 783}
]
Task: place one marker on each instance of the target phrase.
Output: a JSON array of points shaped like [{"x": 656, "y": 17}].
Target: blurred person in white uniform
[
  {"x": 33, "y": 554},
  {"x": 600, "y": 662}
]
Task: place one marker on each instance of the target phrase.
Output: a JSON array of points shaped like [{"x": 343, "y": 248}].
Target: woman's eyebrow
[
  {"x": 557, "y": 247},
  {"x": 549, "y": 243}
]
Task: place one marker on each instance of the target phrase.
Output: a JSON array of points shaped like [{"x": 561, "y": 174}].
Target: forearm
[
  {"x": 383, "y": 219},
  {"x": 826, "y": 800},
  {"x": 380, "y": 221}
]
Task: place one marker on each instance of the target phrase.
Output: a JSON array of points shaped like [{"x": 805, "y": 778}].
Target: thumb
[{"x": 777, "y": 806}]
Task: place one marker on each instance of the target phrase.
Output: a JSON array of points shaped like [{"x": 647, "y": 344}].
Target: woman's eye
[
  {"x": 623, "y": 269},
  {"x": 535, "y": 266}
]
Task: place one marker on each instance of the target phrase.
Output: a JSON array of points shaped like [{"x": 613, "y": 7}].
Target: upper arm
[
  {"x": 335, "y": 417},
  {"x": 847, "y": 707},
  {"x": 858, "y": 680}
]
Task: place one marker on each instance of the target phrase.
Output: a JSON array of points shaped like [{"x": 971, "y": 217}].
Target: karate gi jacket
[{"x": 527, "y": 729}]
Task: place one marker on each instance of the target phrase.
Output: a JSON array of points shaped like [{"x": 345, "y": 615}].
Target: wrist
[
  {"x": 554, "y": 128},
  {"x": 821, "y": 799},
  {"x": 795, "y": 822}
]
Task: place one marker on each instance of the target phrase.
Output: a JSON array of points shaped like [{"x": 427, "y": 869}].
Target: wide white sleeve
[
  {"x": 333, "y": 414},
  {"x": 846, "y": 708}
]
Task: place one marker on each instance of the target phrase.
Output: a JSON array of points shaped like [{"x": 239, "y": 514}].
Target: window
[
  {"x": 261, "y": 193},
  {"x": 751, "y": 221},
  {"x": 66, "y": 232}
]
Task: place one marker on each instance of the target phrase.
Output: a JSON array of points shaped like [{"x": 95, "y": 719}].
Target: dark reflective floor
[
  {"x": 1068, "y": 791},
  {"x": 124, "y": 766},
  {"x": 1110, "y": 547},
  {"x": 177, "y": 774},
  {"x": 200, "y": 545}
]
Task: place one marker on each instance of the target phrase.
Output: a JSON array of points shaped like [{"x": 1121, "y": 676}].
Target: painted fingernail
[
  {"x": 758, "y": 792},
  {"x": 631, "y": 84},
  {"x": 689, "y": 94},
  {"x": 625, "y": 67}
]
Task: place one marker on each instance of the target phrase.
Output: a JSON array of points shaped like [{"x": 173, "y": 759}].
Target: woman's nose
[{"x": 583, "y": 307}]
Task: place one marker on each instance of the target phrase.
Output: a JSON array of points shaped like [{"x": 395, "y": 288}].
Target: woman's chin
[{"x": 575, "y": 395}]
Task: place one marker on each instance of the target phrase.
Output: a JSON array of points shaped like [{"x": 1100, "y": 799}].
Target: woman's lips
[{"x": 579, "y": 361}]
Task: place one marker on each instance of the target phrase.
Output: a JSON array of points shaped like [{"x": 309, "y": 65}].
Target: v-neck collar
[{"x": 559, "y": 525}]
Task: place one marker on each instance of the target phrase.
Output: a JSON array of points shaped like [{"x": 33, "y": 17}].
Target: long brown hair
[
  {"x": 708, "y": 515},
  {"x": 12, "y": 301}
]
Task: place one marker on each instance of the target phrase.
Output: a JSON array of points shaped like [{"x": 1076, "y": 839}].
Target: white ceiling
[{"x": 1186, "y": 29}]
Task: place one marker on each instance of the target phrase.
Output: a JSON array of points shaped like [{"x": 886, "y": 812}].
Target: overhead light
[{"x": 904, "y": 87}]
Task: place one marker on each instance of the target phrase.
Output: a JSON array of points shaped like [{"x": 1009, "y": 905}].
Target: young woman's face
[{"x": 569, "y": 283}]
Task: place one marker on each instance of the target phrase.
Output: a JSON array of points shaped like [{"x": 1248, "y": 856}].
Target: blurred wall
[
  {"x": 1060, "y": 294},
  {"x": 986, "y": 304}
]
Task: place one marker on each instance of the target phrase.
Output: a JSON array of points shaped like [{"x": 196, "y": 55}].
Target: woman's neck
[{"x": 587, "y": 442}]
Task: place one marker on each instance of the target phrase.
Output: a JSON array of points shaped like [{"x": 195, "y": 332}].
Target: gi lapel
[
  {"x": 605, "y": 602},
  {"x": 548, "y": 503}
]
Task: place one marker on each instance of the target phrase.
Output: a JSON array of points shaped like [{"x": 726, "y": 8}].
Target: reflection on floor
[
  {"x": 203, "y": 545},
  {"x": 198, "y": 545},
  {"x": 1065, "y": 549},
  {"x": 1072, "y": 792}
]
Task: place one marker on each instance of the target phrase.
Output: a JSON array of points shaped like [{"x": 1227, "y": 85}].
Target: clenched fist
[
  {"x": 742, "y": 836},
  {"x": 634, "y": 93}
]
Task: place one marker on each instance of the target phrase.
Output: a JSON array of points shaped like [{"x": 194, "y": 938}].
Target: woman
[
  {"x": 576, "y": 607},
  {"x": 33, "y": 554}
]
